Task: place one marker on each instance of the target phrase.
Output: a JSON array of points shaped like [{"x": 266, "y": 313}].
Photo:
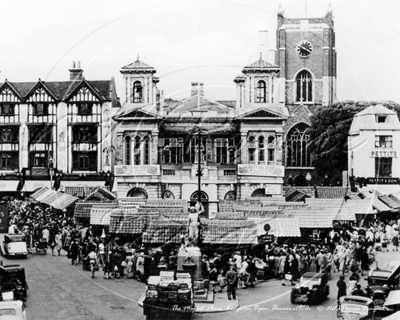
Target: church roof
[{"x": 137, "y": 66}]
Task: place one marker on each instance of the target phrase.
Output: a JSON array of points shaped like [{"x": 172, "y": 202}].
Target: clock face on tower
[{"x": 304, "y": 48}]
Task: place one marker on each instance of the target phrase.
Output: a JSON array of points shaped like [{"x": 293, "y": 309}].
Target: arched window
[
  {"x": 168, "y": 195},
  {"x": 259, "y": 193},
  {"x": 297, "y": 152},
  {"x": 137, "y": 193},
  {"x": 261, "y": 91},
  {"x": 137, "y": 92},
  {"x": 137, "y": 151},
  {"x": 304, "y": 87},
  {"x": 271, "y": 150},
  {"x": 128, "y": 151},
  {"x": 146, "y": 147},
  {"x": 261, "y": 150},
  {"x": 230, "y": 195}
]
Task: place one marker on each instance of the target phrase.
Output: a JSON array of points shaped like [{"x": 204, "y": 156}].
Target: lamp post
[
  {"x": 199, "y": 170},
  {"x": 51, "y": 171}
]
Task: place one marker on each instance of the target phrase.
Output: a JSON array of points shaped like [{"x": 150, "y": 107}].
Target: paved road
[{"x": 59, "y": 290}]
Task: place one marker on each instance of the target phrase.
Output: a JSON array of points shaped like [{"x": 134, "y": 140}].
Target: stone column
[
  {"x": 243, "y": 147},
  {"x": 279, "y": 151},
  {"x": 154, "y": 148}
]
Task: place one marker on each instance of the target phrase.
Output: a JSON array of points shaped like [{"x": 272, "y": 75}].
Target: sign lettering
[
  {"x": 259, "y": 170},
  {"x": 383, "y": 154},
  {"x": 383, "y": 181},
  {"x": 140, "y": 170}
]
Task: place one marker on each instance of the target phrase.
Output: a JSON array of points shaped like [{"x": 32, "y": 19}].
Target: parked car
[
  {"x": 13, "y": 281},
  {"x": 361, "y": 308},
  {"x": 313, "y": 289},
  {"x": 14, "y": 245},
  {"x": 12, "y": 310},
  {"x": 377, "y": 287}
]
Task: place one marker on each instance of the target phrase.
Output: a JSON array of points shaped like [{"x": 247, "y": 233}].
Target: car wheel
[{"x": 293, "y": 297}]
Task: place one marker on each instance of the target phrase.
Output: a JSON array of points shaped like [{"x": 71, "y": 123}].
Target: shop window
[
  {"x": 9, "y": 134},
  {"x": 304, "y": 86},
  {"x": 172, "y": 150},
  {"x": 84, "y": 134},
  {"x": 84, "y": 161},
  {"x": 383, "y": 141},
  {"x": 38, "y": 159},
  {"x": 8, "y": 160},
  {"x": 41, "y": 134},
  {"x": 383, "y": 167},
  {"x": 381, "y": 119}
]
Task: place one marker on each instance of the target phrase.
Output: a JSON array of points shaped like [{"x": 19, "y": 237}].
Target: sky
[{"x": 192, "y": 40}]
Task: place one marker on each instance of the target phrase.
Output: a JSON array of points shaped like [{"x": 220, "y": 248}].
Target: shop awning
[
  {"x": 55, "y": 199},
  {"x": 8, "y": 185},
  {"x": 33, "y": 185},
  {"x": 389, "y": 202},
  {"x": 361, "y": 206},
  {"x": 280, "y": 227},
  {"x": 381, "y": 207}
]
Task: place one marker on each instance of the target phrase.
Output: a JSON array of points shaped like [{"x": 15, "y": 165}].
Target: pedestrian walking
[
  {"x": 92, "y": 256},
  {"x": 58, "y": 241},
  {"x": 231, "y": 277},
  {"x": 341, "y": 284}
]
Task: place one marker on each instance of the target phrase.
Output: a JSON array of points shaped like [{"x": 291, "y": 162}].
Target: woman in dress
[
  {"x": 74, "y": 251},
  {"x": 395, "y": 239},
  {"x": 313, "y": 263},
  {"x": 129, "y": 265},
  {"x": 58, "y": 240},
  {"x": 194, "y": 222}
]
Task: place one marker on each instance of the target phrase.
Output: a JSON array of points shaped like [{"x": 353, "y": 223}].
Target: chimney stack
[
  {"x": 197, "y": 88},
  {"x": 263, "y": 45},
  {"x": 75, "y": 73}
]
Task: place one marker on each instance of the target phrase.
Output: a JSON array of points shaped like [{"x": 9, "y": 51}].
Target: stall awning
[
  {"x": 381, "y": 207},
  {"x": 280, "y": 227},
  {"x": 165, "y": 231},
  {"x": 345, "y": 214},
  {"x": 331, "y": 192},
  {"x": 361, "y": 206},
  {"x": 55, "y": 199},
  {"x": 314, "y": 217},
  {"x": 83, "y": 209},
  {"x": 101, "y": 215},
  {"x": 230, "y": 232},
  {"x": 33, "y": 185}
]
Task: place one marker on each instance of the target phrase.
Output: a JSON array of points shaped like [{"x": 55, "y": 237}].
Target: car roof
[
  {"x": 15, "y": 235},
  {"x": 380, "y": 273},
  {"x": 355, "y": 299},
  {"x": 10, "y": 303},
  {"x": 12, "y": 267}
]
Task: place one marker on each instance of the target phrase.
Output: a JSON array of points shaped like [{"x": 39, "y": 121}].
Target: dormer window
[{"x": 381, "y": 119}]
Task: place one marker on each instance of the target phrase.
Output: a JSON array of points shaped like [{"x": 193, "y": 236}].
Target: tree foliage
[{"x": 328, "y": 134}]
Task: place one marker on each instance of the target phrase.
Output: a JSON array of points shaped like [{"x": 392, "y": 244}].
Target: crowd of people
[{"x": 346, "y": 249}]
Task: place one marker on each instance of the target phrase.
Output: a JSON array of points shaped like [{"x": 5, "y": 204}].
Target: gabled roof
[
  {"x": 40, "y": 84},
  {"x": 102, "y": 195},
  {"x": 61, "y": 90},
  {"x": 139, "y": 112},
  {"x": 83, "y": 84},
  {"x": 260, "y": 65},
  {"x": 137, "y": 66},
  {"x": 260, "y": 112},
  {"x": 198, "y": 103},
  {"x": 331, "y": 192},
  {"x": 6, "y": 84}
]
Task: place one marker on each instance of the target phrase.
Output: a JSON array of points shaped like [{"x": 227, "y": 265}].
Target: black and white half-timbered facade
[{"x": 55, "y": 134}]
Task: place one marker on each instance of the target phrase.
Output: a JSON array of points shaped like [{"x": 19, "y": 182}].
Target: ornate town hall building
[{"x": 243, "y": 147}]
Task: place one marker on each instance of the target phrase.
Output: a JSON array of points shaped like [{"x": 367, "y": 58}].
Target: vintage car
[
  {"x": 14, "y": 245},
  {"x": 12, "y": 310},
  {"x": 377, "y": 287},
  {"x": 313, "y": 289},
  {"x": 13, "y": 282},
  {"x": 361, "y": 308}
]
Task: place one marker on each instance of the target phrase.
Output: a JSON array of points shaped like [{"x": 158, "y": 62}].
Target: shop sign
[
  {"x": 266, "y": 238},
  {"x": 383, "y": 154},
  {"x": 140, "y": 170},
  {"x": 383, "y": 181},
  {"x": 260, "y": 170},
  {"x": 273, "y": 189}
]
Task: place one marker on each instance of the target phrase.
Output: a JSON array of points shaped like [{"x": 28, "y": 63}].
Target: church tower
[{"x": 306, "y": 57}]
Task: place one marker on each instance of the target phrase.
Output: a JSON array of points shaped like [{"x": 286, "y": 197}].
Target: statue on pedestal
[{"x": 194, "y": 223}]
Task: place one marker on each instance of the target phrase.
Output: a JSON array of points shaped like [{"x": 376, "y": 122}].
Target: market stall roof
[
  {"x": 314, "y": 202},
  {"x": 297, "y": 196},
  {"x": 389, "y": 202},
  {"x": 280, "y": 227},
  {"x": 101, "y": 194},
  {"x": 130, "y": 201},
  {"x": 395, "y": 197},
  {"x": 361, "y": 206},
  {"x": 82, "y": 208},
  {"x": 129, "y": 222},
  {"x": 331, "y": 192},
  {"x": 165, "y": 231},
  {"x": 100, "y": 215},
  {"x": 346, "y": 213},
  {"x": 314, "y": 217},
  {"x": 55, "y": 199},
  {"x": 309, "y": 191},
  {"x": 236, "y": 215},
  {"x": 230, "y": 232}
]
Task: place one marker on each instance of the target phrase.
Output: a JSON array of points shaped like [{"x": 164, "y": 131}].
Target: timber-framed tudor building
[{"x": 151, "y": 146}]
